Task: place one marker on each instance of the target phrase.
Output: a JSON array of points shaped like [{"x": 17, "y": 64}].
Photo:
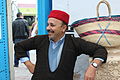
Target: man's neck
[{"x": 58, "y": 38}]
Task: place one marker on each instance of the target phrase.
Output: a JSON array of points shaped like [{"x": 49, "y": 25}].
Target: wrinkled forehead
[{"x": 54, "y": 21}]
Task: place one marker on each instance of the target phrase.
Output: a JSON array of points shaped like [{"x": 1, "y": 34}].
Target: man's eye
[{"x": 52, "y": 25}]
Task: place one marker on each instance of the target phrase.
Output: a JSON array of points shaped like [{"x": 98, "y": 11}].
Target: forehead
[{"x": 54, "y": 20}]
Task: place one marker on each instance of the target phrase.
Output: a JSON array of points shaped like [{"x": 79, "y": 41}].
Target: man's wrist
[
  {"x": 95, "y": 65},
  {"x": 96, "y": 62}
]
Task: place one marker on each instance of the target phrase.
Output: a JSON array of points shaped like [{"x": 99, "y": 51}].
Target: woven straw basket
[{"x": 103, "y": 30}]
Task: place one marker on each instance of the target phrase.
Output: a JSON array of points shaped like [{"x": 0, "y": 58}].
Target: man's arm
[
  {"x": 99, "y": 54},
  {"x": 30, "y": 66},
  {"x": 92, "y": 68},
  {"x": 93, "y": 50}
]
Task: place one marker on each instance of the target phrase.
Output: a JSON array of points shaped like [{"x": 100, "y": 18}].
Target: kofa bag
[{"x": 104, "y": 30}]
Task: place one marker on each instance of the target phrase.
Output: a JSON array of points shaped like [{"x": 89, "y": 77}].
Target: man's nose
[{"x": 48, "y": 27}]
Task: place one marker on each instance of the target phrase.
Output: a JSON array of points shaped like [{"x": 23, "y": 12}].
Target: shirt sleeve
[
  {"x": 93, "y": 50},
  {"x": 24, "y": 59},
  {"x": 100, "y": 59}
]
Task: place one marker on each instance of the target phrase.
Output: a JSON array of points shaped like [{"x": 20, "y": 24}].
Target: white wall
[{"x": 80, "y": 9}]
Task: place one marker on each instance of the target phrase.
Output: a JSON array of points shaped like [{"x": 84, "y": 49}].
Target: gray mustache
[{"x": 50, "y": 31}]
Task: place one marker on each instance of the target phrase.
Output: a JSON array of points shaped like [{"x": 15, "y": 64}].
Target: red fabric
[{"x": 61, "y": 15}]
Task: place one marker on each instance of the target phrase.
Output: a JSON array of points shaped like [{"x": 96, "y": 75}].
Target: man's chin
[{"x": 51, "y": 38}]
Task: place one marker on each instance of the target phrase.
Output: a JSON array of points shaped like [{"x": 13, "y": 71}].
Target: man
[
  {"x": 20, "y": 32},
  {"x": 56, "y": 52}
]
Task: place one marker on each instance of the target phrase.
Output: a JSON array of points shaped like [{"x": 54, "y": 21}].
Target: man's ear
[{"x": 64, "y": 28}]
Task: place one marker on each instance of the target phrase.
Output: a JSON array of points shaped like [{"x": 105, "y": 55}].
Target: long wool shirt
[{"x": 72, "y": 48}]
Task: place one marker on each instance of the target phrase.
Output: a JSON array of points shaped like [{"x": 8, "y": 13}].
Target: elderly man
[{"x": 56, "y": 52}]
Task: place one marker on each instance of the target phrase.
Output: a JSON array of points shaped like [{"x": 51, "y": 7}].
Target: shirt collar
[{"x": 61, "y": 39}]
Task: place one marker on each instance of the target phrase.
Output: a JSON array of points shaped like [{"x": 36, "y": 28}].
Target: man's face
[{"x": 55, "y": 29}]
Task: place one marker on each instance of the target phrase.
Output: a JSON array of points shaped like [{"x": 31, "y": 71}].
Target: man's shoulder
[
  {"x": 75, "y": 40},
  {"x": 73, "y": 37},
  {"x": 41, "y": 36},
  {"x": 24, "y": 20},
  {"x": 17, "y": 20}
]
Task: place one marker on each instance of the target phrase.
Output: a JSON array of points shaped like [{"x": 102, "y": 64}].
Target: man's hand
[
  {"x": 90, "y": 73},
  {"x": 30, "y": 66}
]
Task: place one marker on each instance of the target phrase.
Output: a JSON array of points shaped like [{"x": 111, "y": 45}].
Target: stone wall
[
  {"x": 108, "y": 71},
  {"x": 111, "y": 69}
]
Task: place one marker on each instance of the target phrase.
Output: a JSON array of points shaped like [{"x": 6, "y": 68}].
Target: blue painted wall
[
  {"x": 4, "y": 59},
  {"x": 44, "y": 8}
]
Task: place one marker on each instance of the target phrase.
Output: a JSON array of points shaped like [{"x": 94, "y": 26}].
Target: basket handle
[{"x": 108, "y": 6}]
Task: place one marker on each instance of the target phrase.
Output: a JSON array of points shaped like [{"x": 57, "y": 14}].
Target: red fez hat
[{"x": 61, "y": 15}]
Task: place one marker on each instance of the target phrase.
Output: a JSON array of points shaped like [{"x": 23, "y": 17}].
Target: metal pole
[{"x": 10, "y": 44}]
